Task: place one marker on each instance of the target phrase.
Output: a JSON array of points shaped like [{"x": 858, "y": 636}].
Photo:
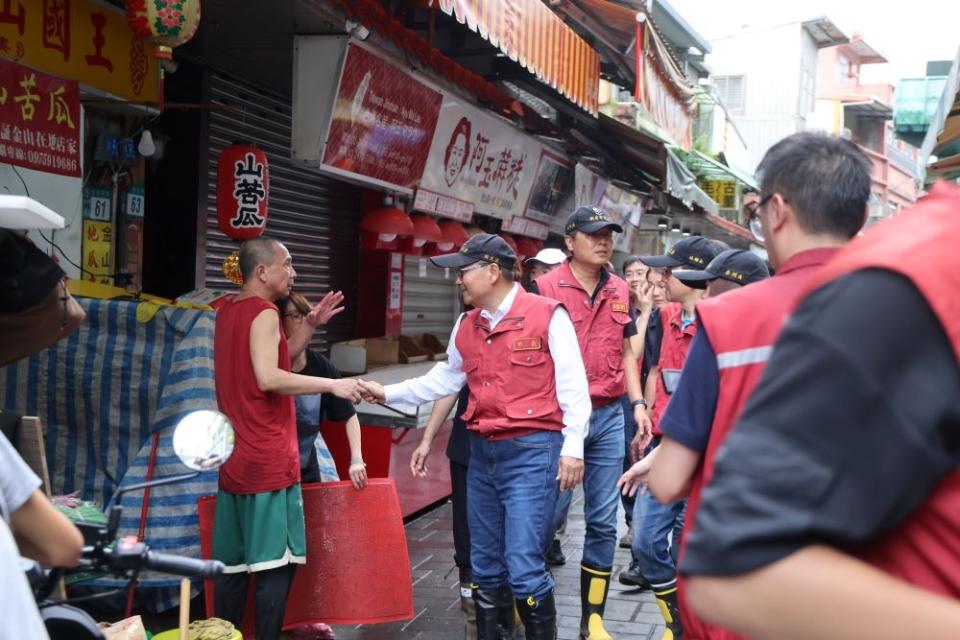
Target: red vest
[
  {"x": 509, "y": 369},
  {"x": 673, "y": 353},
  {"x": 599, "y": 327},
  {"x": 742, "y": 326},
  {"x": 922, "y": 245}
]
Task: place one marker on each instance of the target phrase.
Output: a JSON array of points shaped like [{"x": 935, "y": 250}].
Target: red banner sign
[
  {"x": 383, "y": 121},
  {"x": 39, "y": 120}
]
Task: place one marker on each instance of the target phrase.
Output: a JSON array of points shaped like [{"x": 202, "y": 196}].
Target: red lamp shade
[
  {"x": 527, "y": 247},
  {"x": 453, "y": 235},
  {"x": 382, "y": 226},
  {"x": 243, "y": 188},
  {"x": 425, "y": 229}
]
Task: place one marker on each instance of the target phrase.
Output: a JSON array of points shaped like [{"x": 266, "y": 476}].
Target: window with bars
[{"x": 732, "y": 91}]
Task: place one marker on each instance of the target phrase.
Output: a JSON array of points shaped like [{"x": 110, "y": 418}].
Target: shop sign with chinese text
[
  {"x": 723, "y": 192},
  {"x": 430, "y": 202},
  {"x": 39, "y": 120},
  {"x": 82, "y": 40},
  {"x": 98, "y": 251},
  {"x": 382, "y": 123},
  {"x": 481, "y": 159}
]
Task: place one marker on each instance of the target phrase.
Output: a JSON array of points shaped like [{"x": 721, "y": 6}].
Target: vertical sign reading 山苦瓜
[
  {"x": 80, "y": 40},
  {"x": 39, "y": 120}
]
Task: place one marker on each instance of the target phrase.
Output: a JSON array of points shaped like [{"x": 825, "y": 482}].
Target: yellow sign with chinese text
[
  {"x": 97, "y": 251},
  {"x": 81, "y": 40},
  {"x": 723, "y": 192}
]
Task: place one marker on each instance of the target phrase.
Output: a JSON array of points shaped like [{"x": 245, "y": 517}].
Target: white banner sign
[{"x": 478, "y": 158}]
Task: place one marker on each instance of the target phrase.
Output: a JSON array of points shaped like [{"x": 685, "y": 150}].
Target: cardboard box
[{"x": 358, "y": 356}]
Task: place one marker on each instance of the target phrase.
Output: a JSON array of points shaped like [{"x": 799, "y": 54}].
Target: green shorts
[{"x": 259, "y": 531}]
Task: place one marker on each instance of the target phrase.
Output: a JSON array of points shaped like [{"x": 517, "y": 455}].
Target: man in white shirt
[{"x": 528, "y": 413}]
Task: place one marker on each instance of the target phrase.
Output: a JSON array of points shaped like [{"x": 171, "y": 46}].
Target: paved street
[{"x": 629, "y": 614}]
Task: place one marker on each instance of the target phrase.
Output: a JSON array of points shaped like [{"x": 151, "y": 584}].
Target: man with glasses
[
  {"x": 527, "y": 414},
  {"x": 814, "y": 197},
  {"x": 599, "y": 303}
]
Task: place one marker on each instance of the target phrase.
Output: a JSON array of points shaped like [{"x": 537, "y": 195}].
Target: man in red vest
[
  {"x": 870, "y": 469},
  {"x": 599, "y": 304},
  {"x": 654, "y": 549},
  {"x": 527, "y": 414},
  {"x": 817, "y": 188}
]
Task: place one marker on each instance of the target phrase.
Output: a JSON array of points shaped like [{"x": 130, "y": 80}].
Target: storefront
[{"x": 79, "y": 87}]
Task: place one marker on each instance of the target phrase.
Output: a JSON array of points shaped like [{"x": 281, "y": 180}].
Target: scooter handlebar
[{"x": 181, "y": 566}]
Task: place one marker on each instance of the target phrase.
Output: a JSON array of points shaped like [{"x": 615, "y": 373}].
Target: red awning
[{"x": 532, "y": 35}]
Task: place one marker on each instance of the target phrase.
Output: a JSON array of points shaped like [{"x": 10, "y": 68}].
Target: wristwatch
[{"x": 640, "y": 402}]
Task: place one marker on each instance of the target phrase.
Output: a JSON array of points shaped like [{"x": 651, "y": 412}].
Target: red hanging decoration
[{"x": 243, "y": 187}]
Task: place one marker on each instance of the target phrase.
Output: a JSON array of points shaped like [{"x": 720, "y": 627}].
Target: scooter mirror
[{"x": 203, "y": 440}]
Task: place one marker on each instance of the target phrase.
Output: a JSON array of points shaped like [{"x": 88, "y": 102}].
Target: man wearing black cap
[
  {"x": 654, "y": 550},
  {"x": 528, "y": 411},
  {"x": 816, "y": 190},
  {"x": 684, "y": 413},
  {"x": 599, "y": 304}
]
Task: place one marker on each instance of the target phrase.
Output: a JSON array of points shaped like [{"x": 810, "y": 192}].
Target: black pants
[
  {"x": 272, "y": 588},
  {"x": 461, "y": 530}
]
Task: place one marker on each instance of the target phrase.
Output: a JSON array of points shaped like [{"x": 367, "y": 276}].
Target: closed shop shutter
[
  {"x": 315, "y": 216},
  {"x": 431, "y": 302}
]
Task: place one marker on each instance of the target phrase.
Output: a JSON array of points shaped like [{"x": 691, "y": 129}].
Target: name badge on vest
[
  {"x": 619, "y": 306},
  {"x": 527, "y": 344}
]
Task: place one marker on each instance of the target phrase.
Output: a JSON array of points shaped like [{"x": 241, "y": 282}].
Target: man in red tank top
[
  {"x": 261, "y": 480},
  {"x": 847, "y": 449}
]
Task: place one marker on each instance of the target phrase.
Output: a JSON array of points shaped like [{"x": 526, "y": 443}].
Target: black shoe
[
  {"x": 554, "y": 556},
  {"x": 494, "y": 610},
  {"x": 633, "y": 577}
]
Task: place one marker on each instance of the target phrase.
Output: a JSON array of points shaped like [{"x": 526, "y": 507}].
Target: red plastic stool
[{"x": 358, "y": 566}]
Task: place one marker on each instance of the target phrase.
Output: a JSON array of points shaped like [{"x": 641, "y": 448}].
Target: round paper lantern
[
  {"x": 243, "y": 187},
  {"x": 164, "y": 23}
]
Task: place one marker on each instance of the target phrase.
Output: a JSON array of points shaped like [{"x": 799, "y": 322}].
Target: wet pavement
[{"x": 436, "y": 600}]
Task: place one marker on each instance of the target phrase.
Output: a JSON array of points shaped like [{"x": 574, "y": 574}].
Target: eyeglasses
[
  {"x": 473, "y": 267},
  {"x": 753, "y": 221}
]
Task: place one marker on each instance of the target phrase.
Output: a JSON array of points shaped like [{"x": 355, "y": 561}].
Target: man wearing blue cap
[
  {"x": 599, "y": 304},
  {"x": 527, "y": 413}
]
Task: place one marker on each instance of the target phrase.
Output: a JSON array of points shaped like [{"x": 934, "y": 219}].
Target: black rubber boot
[
  {"x": 539, "y": 617},
  {"x": 554, "y": 556},
  {"x": 594, "y": 585},
  {"x": 494, "y": 609},
  {"x": 667, "y": 601}
]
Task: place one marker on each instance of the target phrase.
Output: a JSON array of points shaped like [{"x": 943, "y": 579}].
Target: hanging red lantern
[
  {"x": 164, "y": 23},
  {"x": 243, "y": 187}
]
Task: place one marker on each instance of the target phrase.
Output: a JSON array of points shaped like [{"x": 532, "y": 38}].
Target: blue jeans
[
  {"x": 511, "y": 495},
  {"x": 653, "y": 546},
  {"x": 603, "y": 465}
]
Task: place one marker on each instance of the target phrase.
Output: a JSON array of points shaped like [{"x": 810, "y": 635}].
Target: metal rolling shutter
[
  {"x": 315, "y": 216},
  {"x": 430, "y": 303}
]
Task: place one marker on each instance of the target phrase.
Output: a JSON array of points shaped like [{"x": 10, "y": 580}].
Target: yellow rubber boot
[
  {"x": 594, "y": 585},
  {"x": 667, "y": 601}
]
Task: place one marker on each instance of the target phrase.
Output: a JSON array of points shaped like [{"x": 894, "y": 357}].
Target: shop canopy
[
  {"x": 529, "y": 33},
  {"x": 682, "y": 184},
  {"x": 709, "y": 169}
]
